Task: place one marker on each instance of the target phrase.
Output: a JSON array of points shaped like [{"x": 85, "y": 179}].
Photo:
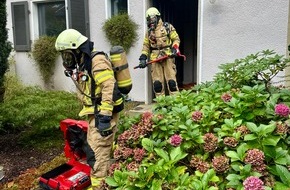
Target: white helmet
[
  {"x": 152, "y": 11},
  {"x": 68, "y": 42},
  {"x": 69, "y": 39},
  {"x": 152, "y": 17}
]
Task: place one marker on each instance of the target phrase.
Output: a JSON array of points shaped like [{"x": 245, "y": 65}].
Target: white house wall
[
  {"x": 232, "y": 29},
  {"x": 24, "y": 68},
  {"x": 228, "y": 29},
  {"x": 27, "y": 70},
  {"x": 136, "y": 9},
  {"x": 140, "y": 77}
]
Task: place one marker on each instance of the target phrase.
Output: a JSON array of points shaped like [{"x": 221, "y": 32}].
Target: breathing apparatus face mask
[
  {"x": 71, "y": 58},
  {"x": 152, "y": 21}
]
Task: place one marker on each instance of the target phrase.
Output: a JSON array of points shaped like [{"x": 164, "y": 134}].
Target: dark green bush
[
  {"x": 121, "y": 30},
  {"x": 5, "y": 46},
  {"x": 31, "y": 107}
]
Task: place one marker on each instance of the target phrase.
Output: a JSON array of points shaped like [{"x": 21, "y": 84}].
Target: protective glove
[
  {"x": 104, "y": 125},
  {"x": 175, "y": 51},
  {"x": 143, "y": 62}
]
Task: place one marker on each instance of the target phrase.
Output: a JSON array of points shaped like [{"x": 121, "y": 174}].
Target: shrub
[
  {"x": 5, "y": 47},
  {"x": 257, "y": 68},
  {"x": 45, "y": 55},
  {"x": 214, "y": 136},
  {"x": 31, "y": 107},
  {"x": 121, "y": 30}
]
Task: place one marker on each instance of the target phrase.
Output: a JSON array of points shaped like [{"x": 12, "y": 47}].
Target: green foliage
[
  {"x": 242, "y": 110},
  {"x": 253, "y": 69},
  {"x": 5, "y": 46},
  {"x": 31, "y": 107},
  {"x": 239, "y": 173},
  {"x": 121, "y": 30},
  {"x": 41, "y": 139},
  {"x": 44, "y": 54}
]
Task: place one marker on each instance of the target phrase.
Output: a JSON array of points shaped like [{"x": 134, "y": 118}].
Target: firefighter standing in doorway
[
  {"x": 98, "y": 92},
  {"x": 160, "y": 40}
]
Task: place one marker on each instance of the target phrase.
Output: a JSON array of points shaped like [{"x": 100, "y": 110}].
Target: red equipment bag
[{"x": 75, "y": 174}]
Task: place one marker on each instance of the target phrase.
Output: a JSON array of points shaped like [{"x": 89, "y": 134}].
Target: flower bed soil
[{"x": 17, "y": 159}]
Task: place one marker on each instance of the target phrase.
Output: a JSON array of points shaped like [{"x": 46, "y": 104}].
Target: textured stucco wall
[
  {"x": 139, "y": 76},
  {"x": 228, "y": 29},
  {"x": 27, "y": 71},
  {"x": 231, "y": 29},
  {"x": 98, "y": 14},
  {"x": 25, "y": 67}
]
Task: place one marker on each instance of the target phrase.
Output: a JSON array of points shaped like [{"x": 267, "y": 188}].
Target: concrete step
[{"x": 140, "y": 109}]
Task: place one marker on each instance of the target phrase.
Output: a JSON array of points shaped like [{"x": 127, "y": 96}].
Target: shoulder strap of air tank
[
  {"x": 94, "y": 53},
  {"x": 167, "y": 27},
  {"x": 93, "y": 84}
]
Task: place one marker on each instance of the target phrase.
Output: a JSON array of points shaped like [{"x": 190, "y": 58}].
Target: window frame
[
  {"x": 32, "y": 29},
  {"x": 71, "y": 11},
  {"x": 38, "y": 18},
  {"x": 110, "y": 11}
]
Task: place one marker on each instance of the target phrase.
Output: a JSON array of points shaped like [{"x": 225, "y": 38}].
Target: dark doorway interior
[{"x": 182, "y": 14}]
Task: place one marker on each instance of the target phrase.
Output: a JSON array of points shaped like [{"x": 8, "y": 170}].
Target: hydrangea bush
[{"x": 214, "y": 136}]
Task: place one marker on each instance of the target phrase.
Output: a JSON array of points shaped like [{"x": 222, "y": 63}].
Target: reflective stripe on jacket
[
  {"x": 160, "y": 42},
  {"x": 106, "y": 93}
]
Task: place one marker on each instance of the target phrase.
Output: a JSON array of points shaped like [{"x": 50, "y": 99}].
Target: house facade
[{"x": 212, "y": 32}]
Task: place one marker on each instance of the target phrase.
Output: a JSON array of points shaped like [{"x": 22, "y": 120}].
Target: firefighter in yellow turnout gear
[
  {"x": 98, "y": 92},
  {"x": 160, "y": 40}
]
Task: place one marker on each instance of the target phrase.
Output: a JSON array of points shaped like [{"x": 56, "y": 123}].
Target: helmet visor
[{"x": 69, "y": 59}]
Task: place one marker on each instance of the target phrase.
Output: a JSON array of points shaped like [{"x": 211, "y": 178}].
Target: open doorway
[{"x": 182, "y": 14}]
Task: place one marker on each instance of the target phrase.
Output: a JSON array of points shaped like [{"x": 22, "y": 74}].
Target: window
[
  {"x": 20, "y": 25},
  {"x": 78, "y": 14},
  {"x": 119, "y": 6},
  {"x": 51, "y": 18}
]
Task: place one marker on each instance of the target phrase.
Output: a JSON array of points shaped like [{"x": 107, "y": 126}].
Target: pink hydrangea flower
[
  {"x": 282, "y": 110},
  {"x": 139, "y": 154},
  {"x": 196, "y": 115},
  {"x": 175, "y": 140},
  {"x": 226, "y": 97},
  {"x": 147, "y": 115},
  {"x": 253, "y": 183}
]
